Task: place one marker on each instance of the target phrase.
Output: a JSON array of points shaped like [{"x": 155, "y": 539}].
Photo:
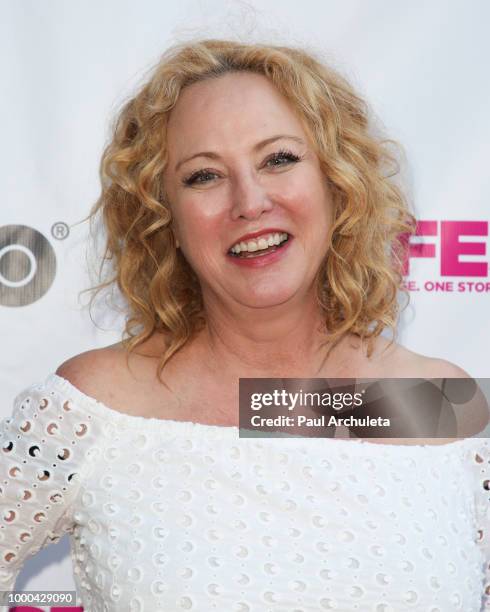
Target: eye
[
  {"x": 283, "y": 157},
  {"x": 196, "y": 177},
  {"x": 280, "y": 158}
]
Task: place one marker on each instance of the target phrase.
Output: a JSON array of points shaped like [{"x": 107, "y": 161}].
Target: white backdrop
[{"x": 66, "y": 67}]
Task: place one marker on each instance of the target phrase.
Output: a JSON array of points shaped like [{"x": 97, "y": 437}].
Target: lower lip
[{"x": 262, "y": 260}]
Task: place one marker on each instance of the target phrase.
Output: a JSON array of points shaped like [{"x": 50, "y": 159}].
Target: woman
[{"x": 254, "y": 234}]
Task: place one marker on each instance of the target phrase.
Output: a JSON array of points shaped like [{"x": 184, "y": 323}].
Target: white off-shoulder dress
[{"x": 172, "y": 515}]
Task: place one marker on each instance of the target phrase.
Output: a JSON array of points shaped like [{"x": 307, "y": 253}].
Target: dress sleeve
[
  {"x": 41, "y": 454},
  {"x": 480, "y": 458}
]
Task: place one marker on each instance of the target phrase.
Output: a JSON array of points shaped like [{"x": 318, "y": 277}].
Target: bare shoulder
[
  {"x": 440, "y": 368},
  {"x": 92, "y": 371},
  {"x": 397, "y": 361},
  {"x": 107, "y": 375},
  {"x": 393, "y": 360}
]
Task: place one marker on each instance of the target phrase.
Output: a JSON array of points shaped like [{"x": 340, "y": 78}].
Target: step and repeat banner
[{"x": 68, "y": 66}]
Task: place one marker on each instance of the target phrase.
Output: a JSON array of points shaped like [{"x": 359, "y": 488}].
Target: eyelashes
[{"x": 283, "y": 155}]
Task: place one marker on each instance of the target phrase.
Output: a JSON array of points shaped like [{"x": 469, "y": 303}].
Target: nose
[{"x": 249, "y": 198}]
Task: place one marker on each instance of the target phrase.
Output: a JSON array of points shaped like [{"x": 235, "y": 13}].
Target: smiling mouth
[{"x": 260, "y": 252}]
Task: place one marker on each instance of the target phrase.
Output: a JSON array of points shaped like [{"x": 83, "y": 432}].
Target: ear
[
  {"x": 174, "y": 234},
  {"x": 177, "y": 243}
]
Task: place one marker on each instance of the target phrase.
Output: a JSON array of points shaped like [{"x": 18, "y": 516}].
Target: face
[{"x": 241, "y": 174}]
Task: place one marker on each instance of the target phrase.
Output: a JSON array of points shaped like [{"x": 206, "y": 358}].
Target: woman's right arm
[{"x": 41, "y": 454}]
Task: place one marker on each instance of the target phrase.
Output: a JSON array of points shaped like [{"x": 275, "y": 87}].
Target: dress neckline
[
  {"x": 98, "y": 408},
  {"x": 192, "y": 428}
]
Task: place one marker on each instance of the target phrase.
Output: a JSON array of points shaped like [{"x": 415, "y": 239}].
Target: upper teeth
[{"x": 260, "y": 243}]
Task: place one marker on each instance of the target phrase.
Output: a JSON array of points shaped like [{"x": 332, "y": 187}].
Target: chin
[{"x": 267, "y": 299}]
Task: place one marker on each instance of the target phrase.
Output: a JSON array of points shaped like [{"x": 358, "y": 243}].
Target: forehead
[{"x": 234, "y": 105}]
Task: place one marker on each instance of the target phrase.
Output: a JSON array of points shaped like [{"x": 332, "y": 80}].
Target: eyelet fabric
[{"x": 173, "y": 515}]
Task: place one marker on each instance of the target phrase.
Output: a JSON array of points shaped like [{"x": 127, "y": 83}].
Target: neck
[{"x": 265, "y": 342}]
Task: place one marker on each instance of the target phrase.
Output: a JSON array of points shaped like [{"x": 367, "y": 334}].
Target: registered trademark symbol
[{"x": 60, "y": 230}]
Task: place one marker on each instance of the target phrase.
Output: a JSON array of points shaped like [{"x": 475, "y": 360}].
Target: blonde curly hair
[{"x": 360, "y": 277}]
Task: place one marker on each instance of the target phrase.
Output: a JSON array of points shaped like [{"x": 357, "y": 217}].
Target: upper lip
[{"x": 252, "y": 235}]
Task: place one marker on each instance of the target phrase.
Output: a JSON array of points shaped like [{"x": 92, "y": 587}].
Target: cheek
[
  {"x": 308, "y": 193},
  {"x": 197, "y": 220},
  {"x": 311, "y": 210},
  {"x": 200, "y": 236},
  {"x": 321, "y": 206}
]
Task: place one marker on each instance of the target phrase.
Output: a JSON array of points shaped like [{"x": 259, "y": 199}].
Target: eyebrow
[{"x": 257, "y": 147}]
